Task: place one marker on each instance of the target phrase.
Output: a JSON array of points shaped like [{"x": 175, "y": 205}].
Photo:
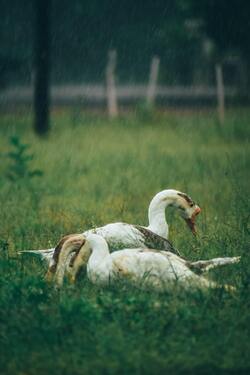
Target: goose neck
[
  {"x": 99, "y": 248},
  {"x": 156, "y": 211}
]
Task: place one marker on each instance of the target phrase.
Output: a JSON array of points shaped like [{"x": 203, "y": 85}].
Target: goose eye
[{"x": 191, "y": 204}]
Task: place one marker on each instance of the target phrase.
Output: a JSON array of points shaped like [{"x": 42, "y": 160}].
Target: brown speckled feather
[{"x": 154, "y": 241}]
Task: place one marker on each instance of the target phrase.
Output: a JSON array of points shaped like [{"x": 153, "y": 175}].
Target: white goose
[
  {"x": 147, "y": 268},
  {"x": 123, "y": 235},
  {"x": 118, "y": 232}
]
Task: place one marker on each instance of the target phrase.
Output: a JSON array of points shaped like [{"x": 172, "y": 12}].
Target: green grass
[{"x": 97, "y": 171}]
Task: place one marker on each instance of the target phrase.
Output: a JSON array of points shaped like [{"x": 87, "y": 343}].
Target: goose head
[
  {"x": 188, "y": 210},
  {"x": 167, "y": 198}
]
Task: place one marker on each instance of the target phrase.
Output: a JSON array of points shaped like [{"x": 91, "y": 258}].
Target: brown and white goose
[
  {"x": 146, "y": 268},
  {"x": 123, "y": 235}
]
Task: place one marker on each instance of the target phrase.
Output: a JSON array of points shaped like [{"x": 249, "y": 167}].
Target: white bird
[
  {"x": 146, "y": 268},
  {"x": 123, "y": 235}
]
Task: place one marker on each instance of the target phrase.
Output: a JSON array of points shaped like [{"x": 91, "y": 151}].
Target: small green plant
[{"x": 20, "y": 159}]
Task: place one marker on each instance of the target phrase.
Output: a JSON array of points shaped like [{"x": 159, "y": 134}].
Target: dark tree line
[
  {"x": 227, "y": 23},
  {"x": 42, "y": 65},
  {"x": 82, "y": 32}
]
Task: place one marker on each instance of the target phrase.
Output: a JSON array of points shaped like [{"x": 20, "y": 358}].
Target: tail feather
[
  {"x": 44, "y": 255},
  {"x": 206, "y": 265}
]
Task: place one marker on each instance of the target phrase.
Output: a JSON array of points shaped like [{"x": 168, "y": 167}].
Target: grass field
[{"x": 97, "y": 171}]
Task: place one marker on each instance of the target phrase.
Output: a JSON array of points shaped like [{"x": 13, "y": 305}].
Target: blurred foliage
[
  {"x": 227, "y": 23},
  {"x": 83, "y": 32}
]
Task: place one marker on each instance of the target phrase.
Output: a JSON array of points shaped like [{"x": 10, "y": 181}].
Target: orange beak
[{"x": 191, "y": 221}]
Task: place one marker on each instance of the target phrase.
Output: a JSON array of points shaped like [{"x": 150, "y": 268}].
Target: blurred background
[{"x": 168, "y": 52}]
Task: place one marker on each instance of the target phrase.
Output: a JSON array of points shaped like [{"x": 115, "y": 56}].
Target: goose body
[
  {"x": 117, "y": 235},
  {"x": 146, "y": 268},
  {"x": 120, "y": 235},
  {"x": 123, "y": 235}
]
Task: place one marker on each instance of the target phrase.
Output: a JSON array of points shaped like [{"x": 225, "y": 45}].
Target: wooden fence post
[
  {"x": 220, "y": 93},
  {"x": 110, "y": 80},
  {"x": 152, "y": 83}
]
